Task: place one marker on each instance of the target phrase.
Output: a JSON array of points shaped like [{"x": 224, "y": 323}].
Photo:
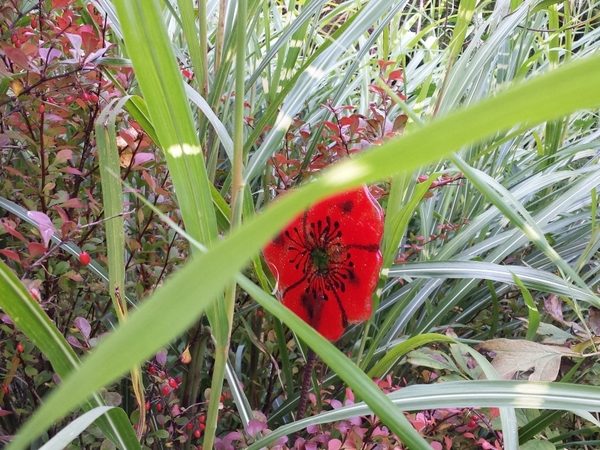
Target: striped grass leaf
[
  {"x": 114, "y": 224},
  {"x": 69, "y": 433},
  {"x": 536, "y": 279}
]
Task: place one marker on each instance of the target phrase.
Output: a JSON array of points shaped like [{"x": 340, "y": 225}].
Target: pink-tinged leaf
[
  {"x": 64, "y": 155},
  {"x": 72, "y": 171},
  {"x": 73, "y": 203},
  {"x": 349, "y": 397},
  {"x": 44, "y": 224},
  {"x": 48, "y": 54},
  {"x": 76, "y": 41},
  {"x": 282, "y": 440},
  {"x": 485, "y": 445},
  {"x": 594, "y": 321},
  {"x": 60, "y": 3},
  {"x": 51, "y": 117},
  {"x": 335, "y": 404},
  {"x": 4, "y": 412},
  {"x": 64, "y": 217},
  {"x": 553, "y": 306},
  {"x": 334, "y": 444},
  {"x": 419, "y": 422},
  {"x": 161, "y": 357},
  {"x": 6, "y": 319},
  {"x": 74, "y": 276},
  {"x": 74, "y": 342},
  {"x": 10, "y": 254},
  {"x": 255, "y": 427},
  {"x": 83, "y": 326},
  {"x": 92, "y": 57},
  {"x": 36, "y": 249},
  {"x": 16, "y": 56},
  {"x": 312, "y": 429},
  {"x": 9, "y": 227},
  {"x": 447, "y": 443},
  {"x": 436, "y": 445},
  {"x": 142, "y": 158}
]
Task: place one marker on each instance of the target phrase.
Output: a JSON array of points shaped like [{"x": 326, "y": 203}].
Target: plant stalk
[{"x": 311, "y": 359}]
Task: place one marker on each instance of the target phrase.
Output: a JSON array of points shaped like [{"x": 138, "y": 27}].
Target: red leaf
[
  {"x": 395, "y": 74},
  {"x": 9, "y": 227},
  {"x": 331, "y": 126},
  {"x": 10, "y": 254},
  {"x": 36, "y": 249},
  {"x": 60, "y": 3},
  {"x": 73, "y": 203},
  {"x": 16, "y": 56},
  {"x": 63, "y": 155},
  {"x": 327, "y": 261},
  {"x": 384, "y": 64},
  {"x": 72, "y": 171}
]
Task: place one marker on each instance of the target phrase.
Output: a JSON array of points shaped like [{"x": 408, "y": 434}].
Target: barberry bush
[{"x": 151, "y": 150}]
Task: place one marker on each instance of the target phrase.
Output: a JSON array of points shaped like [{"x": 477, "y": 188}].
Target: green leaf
[
  {"x": 399, "y": 350},
  {"x": 533, "y": 313}
]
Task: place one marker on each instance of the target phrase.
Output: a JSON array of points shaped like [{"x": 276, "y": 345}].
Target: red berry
[
  {"x": 165, "y": 390},
  {"x": 42, "y": 108},
  {"x": 159, "y": 407},
  {"x": 20, "y": 348},
  {"x": 201, "y": 419},
  {"x": 84, "y": 258},
  {"x": 327, "y": 261},
  {"x": 189, "y": 425},
  {"x": 197, "y": 433},
  {"x": 173, "y": 383}
]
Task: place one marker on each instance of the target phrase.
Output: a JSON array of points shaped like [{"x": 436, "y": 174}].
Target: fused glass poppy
[{"x": 327, "y": 261}]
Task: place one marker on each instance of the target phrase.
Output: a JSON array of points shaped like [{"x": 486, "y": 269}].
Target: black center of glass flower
[{"x": 320, "y": 260}]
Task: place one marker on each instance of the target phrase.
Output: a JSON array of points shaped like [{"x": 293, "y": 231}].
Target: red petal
[{"x": 349, "y": 226}]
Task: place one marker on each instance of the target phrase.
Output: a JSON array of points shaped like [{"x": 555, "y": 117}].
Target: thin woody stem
[{"x": 311, "y": 359}]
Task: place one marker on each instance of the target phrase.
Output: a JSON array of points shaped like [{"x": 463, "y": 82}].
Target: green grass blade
[
  {"x": 161, "y": 83},
  {"x": 533, "y": 313},
  {"x": 398, "y": 351}
]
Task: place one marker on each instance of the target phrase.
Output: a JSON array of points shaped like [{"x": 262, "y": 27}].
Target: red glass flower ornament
[{"x": 327, "y": 261}]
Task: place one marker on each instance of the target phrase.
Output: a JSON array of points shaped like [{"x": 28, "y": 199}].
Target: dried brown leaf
[{"x": 514, "y": 355}]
